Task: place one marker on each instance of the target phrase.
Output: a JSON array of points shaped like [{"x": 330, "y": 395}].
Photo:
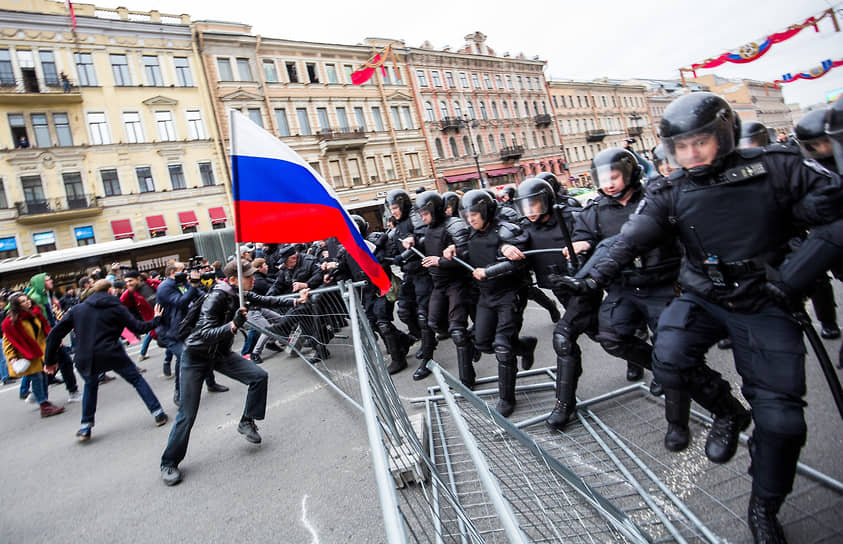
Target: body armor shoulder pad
[
  {"x": 508, "y": 231},
  {"x": 457, "y": 229},
  {"x": 594, "y": 202},
  {"x": 572, "y": 202},
  {"x": 746, "y": 171},
  {"x": 749, "y": 152}
]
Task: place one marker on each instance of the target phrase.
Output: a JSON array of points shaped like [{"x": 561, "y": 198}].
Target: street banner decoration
[
  {"x": 757, "y": 49},
  {"x": 279, "y": 198},
  {"x": 365, "y": 72},
  {"x": 813, "y": 73}
]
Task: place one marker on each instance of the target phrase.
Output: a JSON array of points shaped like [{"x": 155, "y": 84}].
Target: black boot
[
  {"x": 528, "y": 351},
  {"x": 567, "y": 375},
  {"x": 465, "y": 354},
  {"x": 506, "y": 385},
  {"x": 633, "y": 372},
  {"x": 677, "y": 410},
  {"x": 397, "y": 351},
  {"x": 730, "y": 418},
  {"x": 422, "y": 371},
  {"x": 425, "y": 353},
  {"x": 763, "y": 523}
]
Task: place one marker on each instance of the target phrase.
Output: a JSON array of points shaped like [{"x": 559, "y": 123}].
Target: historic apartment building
[
  {"x": 364, "y": 140},
  {"x": 109, "y": 130},
  {"x": 752, "y": 100},
  {"x": 595, "y": 115},
  {"x": 486, "y": 116}
]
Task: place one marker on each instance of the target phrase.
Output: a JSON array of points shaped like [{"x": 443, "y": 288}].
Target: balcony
[
  {"x": 341, "y": 139},
  {"x": 595, "y": 135},
  {"x": 451, "y": 123},
  {"x": 30, "y": 92},
  {"x": 543, "y": 120},
  {"x": 634, "y": 131},
  {"x": 512, "y": 153},
  {"x": 57, "y": 209}
]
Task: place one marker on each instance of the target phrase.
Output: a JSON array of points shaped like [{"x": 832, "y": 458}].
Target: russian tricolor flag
[{"x": 279, "y": 198}]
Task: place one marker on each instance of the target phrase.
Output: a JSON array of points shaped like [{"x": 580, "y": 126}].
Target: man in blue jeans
[{"x": 208, "y": 348}]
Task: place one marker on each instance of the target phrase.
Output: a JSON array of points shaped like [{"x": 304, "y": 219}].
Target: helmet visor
[
  {"x": 816, "y": 148},
  {"x": 532, "y": 205},
  {"x": 837, "y": 148},
  {"x": 700, "y": 147},
  {"x": 610, "y": 179}
]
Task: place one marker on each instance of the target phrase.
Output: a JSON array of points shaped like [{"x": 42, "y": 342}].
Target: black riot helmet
[
  {"x": 834, "y": 131},
  {"x": 431, "y": 201},
  {"x": 534, "y": 197},
  {"x": 754, "y": 134},
  {"x": 400, "y": 198},
  {"x": 452, "y": 203},
  {"x": 611, "y": 162},
  {"x": 362, "y": 224},
  {"x": 810, "y": 134},
  {"x": 479, "y": 201},
  {"x": 509, "y": 191},
  {"x": 660, "y": 161},
  {"x": 558, "y": 189},
  {"x": 689, "y": 122}
]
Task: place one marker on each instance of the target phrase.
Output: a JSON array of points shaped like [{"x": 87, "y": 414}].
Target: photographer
[{"x": 175, "y": 294}]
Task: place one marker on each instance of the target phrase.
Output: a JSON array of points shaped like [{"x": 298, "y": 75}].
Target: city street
[{"x": 310, "y": 480}]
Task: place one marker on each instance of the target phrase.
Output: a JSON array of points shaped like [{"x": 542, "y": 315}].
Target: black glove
[
  {"x": 783, "y": 298},
  {"x": 826, "y": 202},
  {"x": 574, "y": 285},
  {"x": 239, "y": 318}
]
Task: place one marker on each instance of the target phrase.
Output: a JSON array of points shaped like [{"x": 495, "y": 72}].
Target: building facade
[
  {"x": 109, "y": 129},
  {"x": 595, "y": 115},
  {"x": 364, "y": 140},
  {"x": 752, "y": 101},
  {"x": 486, "y": 117}
]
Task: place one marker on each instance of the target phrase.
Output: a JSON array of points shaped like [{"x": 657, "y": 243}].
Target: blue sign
[
  {"x": 83, "y": 233},
  {"x": 44, "y": 238},
  {"x": 8, "y": 244}
]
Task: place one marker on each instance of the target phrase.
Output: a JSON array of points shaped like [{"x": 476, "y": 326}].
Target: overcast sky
[{"x": 579, "y": 39}]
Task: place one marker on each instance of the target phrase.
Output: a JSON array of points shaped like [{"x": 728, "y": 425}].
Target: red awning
[
  {"x": 502, "y": 171},
  {"x": 217, "y": 215},
  {"x": 156, "y": 223},
  {"x": 188, "y": 219},
  {"x": 461, "y": 177},
  {"x": 122, "y": 228}
]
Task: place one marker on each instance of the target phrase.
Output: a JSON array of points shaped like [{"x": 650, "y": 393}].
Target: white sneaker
[
  {"x": 76, "y": 396},
  {"x": 31, "y": 399}
]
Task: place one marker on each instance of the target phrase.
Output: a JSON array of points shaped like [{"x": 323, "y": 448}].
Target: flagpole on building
[{"x": 235, "y": 198}]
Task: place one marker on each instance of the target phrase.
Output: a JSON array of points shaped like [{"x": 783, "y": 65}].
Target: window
[
  {"x": 480, "y": 145},
  {"x": 132, "y": 124},
  {"x": 183, "y": 76},
  {"x": 206, "y": 173},
  {"x": 152, "y": 70},
  {"x": 347, "y": 70},
  {"x": 389, "y": 167},
  {"x": 396, "y": 118},
  {"x": 336, "y": 173},
  {"x": 74, "y": 191},
  {"x": 342, "y": 118},
  {"x": 84, "y": 235},
  {"x": 372, "y": 168},
  {"x": 520, "y": 82},
  {"x": 453, "y": 145},
  {"x": 509, "y": 82},
  {"x": 414, "y": 165},
  {"x": 437, "y": 81},
  {"x": 224, "y": 69},
  {"x": 463, "y": 80},
  {"x": 443, "y": 109},
  {"x": 536, "y": 107},
  {"x": 3, "y": 202},
  {"x": 428, "y": 112},
  {"x": 499, "y": 81},
  {"x": 515, "y": 113},
  {"x": 292, "y": 73},
  {"x": 177, "y": 177},
  {"x": 98, "y": 128},
  {"x": 33, "y": 194},
  {"x": 449, "y": 79},
  {"x": 483, "y": 112},
  {"x": 487, "y": 81},
  {"x": 269, "y": 72},
  {"x": 41, "y": 129},
  {"x": 45, "y": 241},
  {"x": 440, "y": 153},
  {"x": 120, "y": 70},
  {"x": 18, "y": 128},
  {"x": 281, "y": 121},
  {"x": 354, "y": 170},
  {"x": 466, "y": 143},
  {"x": 536, "y": 83},
  {"x": 164, "y": 122},
  {"x": 503, "y": 141},
  {"x": 7, "y": 76},
  {"x": 421, "y": 78},
  {"x": 62, "y": 129},
  {"x": 471, "y": 110},
  {"x": 254, "y": 115},
  {"x": 408, "y": 118},
  {"x": 8, "y": 248},
  {"x": 145, "y": 182},
  {"x": 312, "y": 76},
  {"x": 475, "y": 81},
  {"x": 110, "y": 182},
  {"x": 85, "y": 67},
  {"x": 376, "y": 115},
  {"x": 491, "y": 143},
  {"x": 322, "y": 116},
  {"x": 195, "y": 128},
  {"x": 331, "y": 71},
  {"x": 457, "y": 110},
  {"x": 360, "y": 119},
  {"x": 495, "y": 110},
  {"x": 529, "y": 84},
  {"x": 48, "y": 67},
  {"x": 303, "y": 121},
  {"x": 505, "y": 110},
  {"x": 244, "y": 70}
]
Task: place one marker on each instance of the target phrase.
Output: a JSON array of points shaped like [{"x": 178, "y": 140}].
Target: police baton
[
  {"x": 560, "y": 218},
  {"x": 537, "y": 251},
  {"x": 457, "y": 259},
  {"x": 822, "y": 356}
]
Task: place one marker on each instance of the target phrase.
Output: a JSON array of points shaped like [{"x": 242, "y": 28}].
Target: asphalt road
[{"x": 309, "y": 482}]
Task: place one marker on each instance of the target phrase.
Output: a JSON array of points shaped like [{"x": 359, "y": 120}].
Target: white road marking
[{"x": 312, "y": 530}]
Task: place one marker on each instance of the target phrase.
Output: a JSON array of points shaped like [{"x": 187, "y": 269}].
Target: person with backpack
[{"x": 208, "y": 348}]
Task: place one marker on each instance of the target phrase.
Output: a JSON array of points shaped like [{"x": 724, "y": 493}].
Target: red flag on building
[
  {"x": 364, "y": 74},
  {"x": 72, "y": 14}
]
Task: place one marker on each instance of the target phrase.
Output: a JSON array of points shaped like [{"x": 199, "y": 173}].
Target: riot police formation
[
  {"x": 416, "y": 286},
  {"x": 733, "y": 211}
]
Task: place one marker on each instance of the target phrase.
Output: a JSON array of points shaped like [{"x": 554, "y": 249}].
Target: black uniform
[
  {"x": 732, "y": 224},
  {"x": 414, "y": 293}
]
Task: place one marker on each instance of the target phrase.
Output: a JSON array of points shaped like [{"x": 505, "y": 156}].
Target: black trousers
[
  {"x": 498, "y": 320},
  {"x": 448, "y": 306}
]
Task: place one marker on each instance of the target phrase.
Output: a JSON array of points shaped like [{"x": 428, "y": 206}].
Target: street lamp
[{"x": 468, "y": 123}]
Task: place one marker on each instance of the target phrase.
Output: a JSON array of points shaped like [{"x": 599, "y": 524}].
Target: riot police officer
[
  {"x": 733, "y": 212},
  {"x": 452, "y": 203},
  {"x": 753, "y": 134},
  {"x": 502, "y": 289},
  {"x": 660, "y": 163}
]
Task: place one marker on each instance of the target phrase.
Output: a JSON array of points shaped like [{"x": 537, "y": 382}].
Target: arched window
[
  {"x": 503, "y": 141},
  {"x": 428, "y": 111},
  {"x": 544, "y": 106},
  {"x": 515, "y": 113},
  {"x": 494, "y": 110},
  {"x": 480, "y": 145},
  {"x": 453, "y": 144},
  {"x": 466, "y": 143},
  {"x": 440, "y": 153},
  {"x": 536, "y": 107},
  {"x": 443, "y": 109},
  {"x": 471, "y": 110},
  {"x": 505, "y": 110},
  {"x": 457, "y": 110},
  {"x": 483, "y": 112},
  {"x": 526, "y": 109},
  {"x": 491, "y": 143}
]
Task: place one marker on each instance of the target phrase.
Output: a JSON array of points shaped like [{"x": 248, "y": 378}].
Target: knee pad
[
  {"x": 503, "y": 342},
  {"x": 459, "y": 336},
  {"x": 421, "y": 319},
  {"x": 562, "y": 345},
  {"x": 385, "y": 328},
  {"x": 504, "y": 356}
]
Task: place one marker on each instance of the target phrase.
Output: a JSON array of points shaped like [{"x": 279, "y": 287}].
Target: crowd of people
[{"x": 714, "y": 242}]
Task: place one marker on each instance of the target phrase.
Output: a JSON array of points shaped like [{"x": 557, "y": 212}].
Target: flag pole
[{"x": 234, "y": 176}]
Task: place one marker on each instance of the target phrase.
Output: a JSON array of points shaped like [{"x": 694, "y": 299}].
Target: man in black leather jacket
[{"x": 208, "y": 348}]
